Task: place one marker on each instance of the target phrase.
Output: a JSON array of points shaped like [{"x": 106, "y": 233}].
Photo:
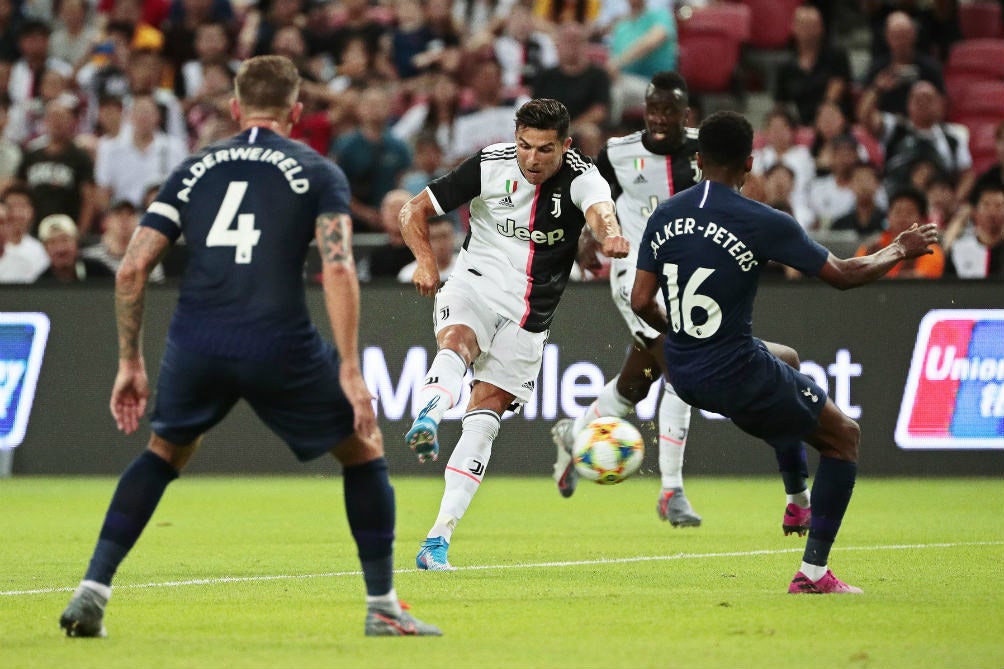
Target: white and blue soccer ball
[{"x": 608, "y": 451}]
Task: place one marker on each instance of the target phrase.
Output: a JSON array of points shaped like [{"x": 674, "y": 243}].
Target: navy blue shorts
[
  {"x": 299, "y": 399},
  {"x": 767, "y": 399}
]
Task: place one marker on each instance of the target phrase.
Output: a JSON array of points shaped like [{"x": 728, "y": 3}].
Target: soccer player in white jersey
[{"x": 529, "y": 200}]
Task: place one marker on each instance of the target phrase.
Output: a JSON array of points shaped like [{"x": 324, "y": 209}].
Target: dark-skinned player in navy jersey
[
  {"x": 249, "y": 207},
  {"x": 705, "y": 248},
  {"x": 643, "y": 169}
]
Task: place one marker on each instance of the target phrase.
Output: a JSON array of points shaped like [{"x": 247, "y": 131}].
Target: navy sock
[
  {"x": 138, "y": 492},
  {"x": 831, "y": 493},
  {"x": 369, "y": 505},
  {"x": 793, "y": 463}
]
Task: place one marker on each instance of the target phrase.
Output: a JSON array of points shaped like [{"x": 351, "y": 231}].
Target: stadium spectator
[
  {"x": 145, "y": 74},
  {"x": 58, "y": 233},
  {"x": 24, "y": 257},
  {"x": 10, "y": 24},
  {"x": 27, "y": 118},
  {"x": 104, "y": 76},
  {"x": 491, "y": 119},
  {"x": 120, "y": 221},
  {"x": 212, "y": 99},
  {"x": 921, "y": 135},
  {"x": 576, "y": 82},
  {"x": 941, "y": 201},
  {"x": 247, "y": 334},
  {"x": 434, "y": 114},
  {"x": 413, "y": 47},
  {"x": 523, "y": 50},
  {"x": 126, "y": 164},
  {"x": 480, "y": 16},
  {"x": 817, "y": 71},
  {"x": 557, "y": 12},
  {"x": 60, "y": 174},
  {"x": 979, "y": 252},
  {"x": 181, "y": 27},
  {"x": 443, "y": 243},
  {"x": 830, "y": 196},
  {"x": 355, "y": 22},
  {"x": 868, "y": 218},
  {"x": 486, "y": 315},
  {"x": 992, "y": 177},
  {"x": 427, "y": 164},
  {"x": 642, "y": 43},
  {"x": 10, "y": 152},
  {"x": 829, "y": 124},
  {"x": 891, "y": 76},
  {"x": 371, "y": 157},
  {"x": 779, "y": 132},
  {"x": 907, "y": 207},
  {"x": 212, "y": 48},
  {"x": 717, "y": 364},
  {"x": 385, "y": 261},
  {"x": 778, "y": 185},
  {"x": 74, "y": 39},
  {"x": 936, "y": 23},
  {"x": 279, "y": 14},
  {"x": 33, "y": 44}
]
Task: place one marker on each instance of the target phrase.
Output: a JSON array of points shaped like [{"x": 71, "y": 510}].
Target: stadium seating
[
  {"x": 983, "y": 55},
  {"x": 958, "y": 82},
  {"x": 771, "y": 26},
  {"x": 981, "y": 18},
  {"x": 982, "y": 142},
  {"x": 735, "y": 18},
  {"x": 708, "y": 58}
]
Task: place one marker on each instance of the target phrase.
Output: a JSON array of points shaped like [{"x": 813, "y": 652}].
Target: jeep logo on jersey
[
  {"x": 510, "y": 229},
  {"x": 22, "y": 345},
  {"x": 954, "y": 396}
]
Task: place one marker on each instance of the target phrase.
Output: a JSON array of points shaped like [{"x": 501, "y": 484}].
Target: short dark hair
[
  {"x": 668, "y": 80},
  {"x": 34, "y": 26},
  {"x": 910, "y": 193},
  {"x": 725, "y": 139},
  {"x": 988, "y": 188},
  {"x": 781, "y": 112},
  {"x": 267, "y": 83},
  {"x": 544, "y": 114}
]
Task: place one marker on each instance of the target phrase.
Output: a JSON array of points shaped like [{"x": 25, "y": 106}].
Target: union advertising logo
[
  {"x": 954, "y": 396},
  {"x": 22, "y": 345}
]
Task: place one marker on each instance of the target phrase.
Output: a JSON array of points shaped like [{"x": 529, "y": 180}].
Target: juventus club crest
[{"x": 556, "y": 204}]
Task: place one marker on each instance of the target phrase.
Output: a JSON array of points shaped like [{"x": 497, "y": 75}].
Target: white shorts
[
  {"x": 622, "y": 271},
  {"x": 510, "y": 356}
]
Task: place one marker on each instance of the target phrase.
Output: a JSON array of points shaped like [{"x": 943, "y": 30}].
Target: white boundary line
[{"x": 531, "y": 565}]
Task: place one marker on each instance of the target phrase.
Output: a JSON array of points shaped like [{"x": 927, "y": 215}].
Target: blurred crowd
[{"x": 101, "y": 99}]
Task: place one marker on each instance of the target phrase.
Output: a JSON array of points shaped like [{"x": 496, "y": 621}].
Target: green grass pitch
[{"x": 261, "y": 572}]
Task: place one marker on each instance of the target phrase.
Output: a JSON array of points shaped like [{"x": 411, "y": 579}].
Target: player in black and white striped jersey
[{"x": 529, "y": 201}]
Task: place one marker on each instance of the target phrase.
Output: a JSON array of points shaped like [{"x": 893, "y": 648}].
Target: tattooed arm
[
  {"x": 341, "y": 297},
  {"x": 131, "y": 389}
]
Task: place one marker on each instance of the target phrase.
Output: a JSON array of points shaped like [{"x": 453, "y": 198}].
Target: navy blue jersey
[
  {"x": 247, "y": 207},
  {"x": 708, "y": 245}
]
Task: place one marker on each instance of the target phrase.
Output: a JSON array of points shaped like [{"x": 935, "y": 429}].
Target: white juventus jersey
[
  {"x": 523, "y": 238},
  {"x": 641, "y": 179}
]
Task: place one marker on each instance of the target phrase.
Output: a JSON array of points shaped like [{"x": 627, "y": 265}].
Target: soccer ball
[{"x": 608, "y": 451}]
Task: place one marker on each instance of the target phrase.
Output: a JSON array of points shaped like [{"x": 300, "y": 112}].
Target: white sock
[
  {"x": 608, "y": 403},
  {"x": 465, "y": 469},
  {"x": 100, "y": 588},
  {"x": 444, "y": 383},
  {"x": 674, "y": 423},
  {"x": 813, "y": 571},
  {"x": 800, "y": 498},
  {"x": 386, "y": 603}
]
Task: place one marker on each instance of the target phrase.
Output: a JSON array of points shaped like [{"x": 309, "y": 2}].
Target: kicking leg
[
  {"x": 136, "y": 497},
  {"x": 792, "y": 462}
]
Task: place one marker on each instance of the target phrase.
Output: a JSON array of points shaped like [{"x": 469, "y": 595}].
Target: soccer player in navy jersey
[
  {"x": 248, "y": 207},
  {"x": 704, "y": 249},
  {"x": 529, "y": 200}
]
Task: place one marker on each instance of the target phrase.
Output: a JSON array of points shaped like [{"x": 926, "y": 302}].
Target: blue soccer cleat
[
  {"x": 432, "y": 555},
  {"x": 421, "y": 438}
]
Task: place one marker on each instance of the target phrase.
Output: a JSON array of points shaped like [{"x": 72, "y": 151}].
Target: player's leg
[
  {"x": 370, "y": 508},
  {"x": 836, "y": 438},
  {"x": 459, "y": 328},
  {"x": 792, "y": 462},
  {"x": 194, "y": 393},
  {"x": 136, "y": 497},
  {"x": 464, "y": 471}
]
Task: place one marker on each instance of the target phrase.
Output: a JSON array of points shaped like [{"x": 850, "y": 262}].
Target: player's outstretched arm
[
  {"x": 643, "y": 301},
  {"x": 602, "y": 221},
  {"x": 853, "y": 272},
  {"x": 341, "y": 299},
  {"x": 414, "y": 222},
  {"x": 131, "y": 388}
]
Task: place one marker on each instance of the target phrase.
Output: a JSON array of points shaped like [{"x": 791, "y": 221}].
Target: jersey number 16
[
  {"x": 244, "y": 237},
  {"x": 681, "y": 309}
]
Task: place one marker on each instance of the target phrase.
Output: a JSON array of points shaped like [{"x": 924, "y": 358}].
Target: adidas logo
[
  {"x": 528, "y": 385},
  {"x": 640, "y": 179},
  {"x": 506, "y": 202}
]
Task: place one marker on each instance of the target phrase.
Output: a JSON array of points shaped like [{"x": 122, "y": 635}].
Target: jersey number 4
[
  {"x": 681, "y": 309},
  {"x": 244, "y": 237}
]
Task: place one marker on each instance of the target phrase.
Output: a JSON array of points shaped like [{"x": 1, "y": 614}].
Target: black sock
[
  {"x": 369, "y": 505},
  {"x": 831, "y": 493},
  {"x": 138, "y": 492},
  {"x": 793, "y": 463}
]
